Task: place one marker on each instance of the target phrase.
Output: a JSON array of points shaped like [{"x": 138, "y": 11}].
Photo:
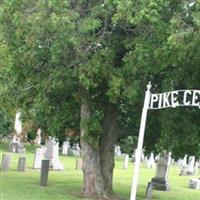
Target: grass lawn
[{"x": 66, "y": 185}]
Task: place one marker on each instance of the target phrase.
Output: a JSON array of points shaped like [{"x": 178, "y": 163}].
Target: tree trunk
[
  {"x": 92, "y": 176},
  {"x": 98, "y": 162},
  {"x": 107, "y": 145}
]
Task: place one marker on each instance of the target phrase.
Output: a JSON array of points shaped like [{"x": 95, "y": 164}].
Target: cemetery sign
[{"x": 170, "y": 99}]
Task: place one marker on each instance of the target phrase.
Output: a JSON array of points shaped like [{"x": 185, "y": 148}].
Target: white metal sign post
[
  {"x": 140, "y": 143},
  {"x": 170, "y": 99}
]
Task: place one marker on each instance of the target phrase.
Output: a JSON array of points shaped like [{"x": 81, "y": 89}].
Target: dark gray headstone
[
  {"x": 44, "y": 172},
  {"x": 5, "y": 163},
  {"x": 21, "y": 164}
]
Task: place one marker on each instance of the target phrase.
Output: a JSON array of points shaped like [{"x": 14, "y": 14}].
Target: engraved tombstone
[{"x": 160, "y": 182}]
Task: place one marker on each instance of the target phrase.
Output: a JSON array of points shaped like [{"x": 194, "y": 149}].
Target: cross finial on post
[{"x": 149, "y": 86}]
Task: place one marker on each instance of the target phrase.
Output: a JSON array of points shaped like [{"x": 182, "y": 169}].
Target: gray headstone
[
  {"x": 194, "y": 183},
  {"x": 5, "y": 163},
  {"x": 160, "y": 182},
  {"x": 21, "y": 164},
  {"x": 52, "y": 154},
  {"x": 44, "y": 173},
  {"x": 13, "y": 146}
]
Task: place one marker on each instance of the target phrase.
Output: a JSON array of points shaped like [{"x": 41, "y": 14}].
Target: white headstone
[
  {"x": 52, "y": 154},
  {"x": 190, "y": 170},
  {"x": 197, "y": 167},
  {"x": 117, "y": 151},
  {"x": 38, "y": 158},
  {"x": 38, "y": 137},
  {"x": 65, "y": 147},
  {"x": 125, "y": 163},
  {"x": 185, "y": 160},
  {"x": 76, "y": 150},
  {"x": 151, "y": 161}
]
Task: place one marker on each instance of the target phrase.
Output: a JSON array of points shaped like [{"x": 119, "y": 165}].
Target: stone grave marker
[
  {"x": 125, "y": 163},
  {"x": 52, "y": 154},
  {"x": 191, "y": 169},
  {"x": 194, "y": 183},
  {"x": 76, "y": 150},
  {"x": 21, "y": 164},
  {"x": 197, "y": 167},
  {"x": 151, "y": 161},
  {"x": 118, "y": 150},
  {"x": 160, "y": 182},
  {"x": 44, "y": 172},
  {"x": 5, "y": 163},
  {"x": 65, "y": 147},
  {"x": 38, "y": 158},
  {"x": 38, "y": 137}
]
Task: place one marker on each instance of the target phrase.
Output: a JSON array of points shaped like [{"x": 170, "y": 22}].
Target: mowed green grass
[{"x": 67, "y": 184}]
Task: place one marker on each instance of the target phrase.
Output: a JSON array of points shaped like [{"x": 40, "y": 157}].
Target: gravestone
[
  {"x": 185, "y": 160},
  {"x": 118, "y": 150},
  {"x": 143, "y": 158},
  {"x": 76, "y": 150},
  {"x": 38, "y": 137},
  {"x": 190, "y": 169},
  {"x": 44, "y": 172},
  {"x": 79, "y": 164},
  {"x": 5, "y": 163},
  {"x": 160, "y": 182},
  {"x": 194, "y": 183},
  {"x": 65, "y": 147},
  {"x": 38, "y": 158},
  {"x": 15, "y": 146},
  {"x": 21, "y": 164},
  {"x": 197, "y": 167},
  {"x": 183, "y": 171},
  {"x": 21, "y": 149},
  {"x": 125, "y": 163},
  {"x": 151, "y": 162},
  {"x": 52, "y": 154}
]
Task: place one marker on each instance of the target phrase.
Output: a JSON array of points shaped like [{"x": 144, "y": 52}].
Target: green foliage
[
  {"x": 6, "y": 125},
  {"x": 93, "y": 130},
  {"x": 128, "y": 144},
  {"x": 52, "y": 51}
]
